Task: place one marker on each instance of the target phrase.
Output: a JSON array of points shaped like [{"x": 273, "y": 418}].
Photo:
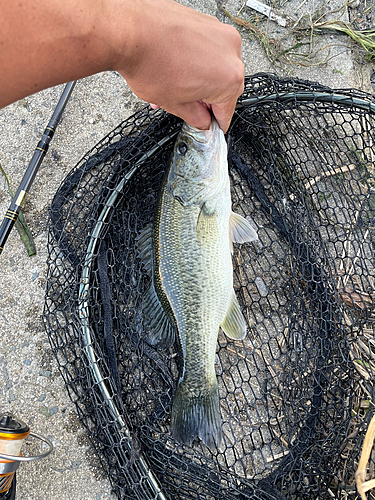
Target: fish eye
[{"x": 182, "y": 148}]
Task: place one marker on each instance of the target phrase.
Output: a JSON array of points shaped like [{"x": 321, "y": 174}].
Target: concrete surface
[{"x": 30, "y": 384}]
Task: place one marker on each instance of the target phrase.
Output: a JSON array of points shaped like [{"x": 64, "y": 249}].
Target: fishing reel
[{"x": 13, "y": 433}]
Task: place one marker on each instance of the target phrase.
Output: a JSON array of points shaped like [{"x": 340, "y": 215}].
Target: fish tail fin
[{"x": 197, "y": 415}]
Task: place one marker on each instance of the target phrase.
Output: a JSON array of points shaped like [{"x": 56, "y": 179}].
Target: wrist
[
  {"x": 114, "y": 33},
  {"x": 127, "y": 36}
]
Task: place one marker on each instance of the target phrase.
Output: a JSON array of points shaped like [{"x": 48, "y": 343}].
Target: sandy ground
[{"x": 30, "y": 384}]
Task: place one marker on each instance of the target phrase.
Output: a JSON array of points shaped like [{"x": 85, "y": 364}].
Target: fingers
[
  {"x": 195, "y": 114},
  {"x": 198, "y": 114},
  {"x": 191, "y": 64}
]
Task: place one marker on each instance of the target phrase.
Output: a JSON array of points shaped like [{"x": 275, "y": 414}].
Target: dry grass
[
  {"x": 298, "y": 45},
  {"x": 21, "y": 224},
  {"x": 359, "y": 303},
  {"x": 362, "y": 485}
]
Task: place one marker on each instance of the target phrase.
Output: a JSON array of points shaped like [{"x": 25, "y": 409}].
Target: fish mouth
[{"x": 202, "y": 136}]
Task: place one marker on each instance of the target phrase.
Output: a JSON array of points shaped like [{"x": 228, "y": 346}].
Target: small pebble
[
  {"x": 75, "y": 464},
  {"x": 27, "y": 362},
  {"x": 53, "y": 410},
  {"x": 42, "y": 397},
  {"x": 45, "y": 373},
  {"x": 55, "y": 155},
  {"x": 262, "y": 288},
  {"x": 44, "y": 411},
  {"x": 35, "y": 272}
]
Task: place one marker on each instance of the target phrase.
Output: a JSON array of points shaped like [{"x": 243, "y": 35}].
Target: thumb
[{"x": 223, "y": 113}]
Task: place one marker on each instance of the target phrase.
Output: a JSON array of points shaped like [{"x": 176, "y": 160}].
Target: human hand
[{"x": 183, "y": 61}]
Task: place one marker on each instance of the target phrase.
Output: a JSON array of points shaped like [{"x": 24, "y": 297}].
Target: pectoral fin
[
  {"x": 234, "y": 324},
  {"x": 207, "y": 222},
  {"x": 241, "y": 230}
]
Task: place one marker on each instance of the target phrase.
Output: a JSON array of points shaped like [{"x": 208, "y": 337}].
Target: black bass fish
[{"x": 188, "y": 255}]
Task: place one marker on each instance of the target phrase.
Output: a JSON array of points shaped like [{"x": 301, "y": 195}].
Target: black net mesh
[{"x": 296, "y": 395}]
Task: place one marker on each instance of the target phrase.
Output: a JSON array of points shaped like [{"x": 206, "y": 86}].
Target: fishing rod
[{"x": 19, "y": 198}]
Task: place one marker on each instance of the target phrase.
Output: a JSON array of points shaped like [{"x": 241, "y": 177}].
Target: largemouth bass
[{"x": 188, "y": 254}]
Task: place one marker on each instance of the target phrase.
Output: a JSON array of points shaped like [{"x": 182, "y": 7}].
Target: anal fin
[
  {"x": 234, "y": 324},
  {"x": 144, "y": 247},
  {"x": 161, "y": 332},
  {"x": 241, "y": 230}
]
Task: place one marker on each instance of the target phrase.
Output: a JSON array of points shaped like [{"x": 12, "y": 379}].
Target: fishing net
[{"x": 296, "y": 395}]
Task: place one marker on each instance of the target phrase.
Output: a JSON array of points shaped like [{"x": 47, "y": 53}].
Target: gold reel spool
[
  {"x": 13, "y": 432},
  {"x": 12, "y": 435}
]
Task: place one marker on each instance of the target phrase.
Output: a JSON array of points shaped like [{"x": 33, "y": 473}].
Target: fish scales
[
  {"x": 188, "y": 254},
  {"x": 198, "y": 281}
]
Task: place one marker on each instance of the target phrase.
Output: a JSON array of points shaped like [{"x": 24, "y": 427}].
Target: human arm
[{"x": 169, "y": 54}]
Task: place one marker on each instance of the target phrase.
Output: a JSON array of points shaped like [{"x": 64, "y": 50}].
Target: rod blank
[{"x": 13, "y": 211}]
